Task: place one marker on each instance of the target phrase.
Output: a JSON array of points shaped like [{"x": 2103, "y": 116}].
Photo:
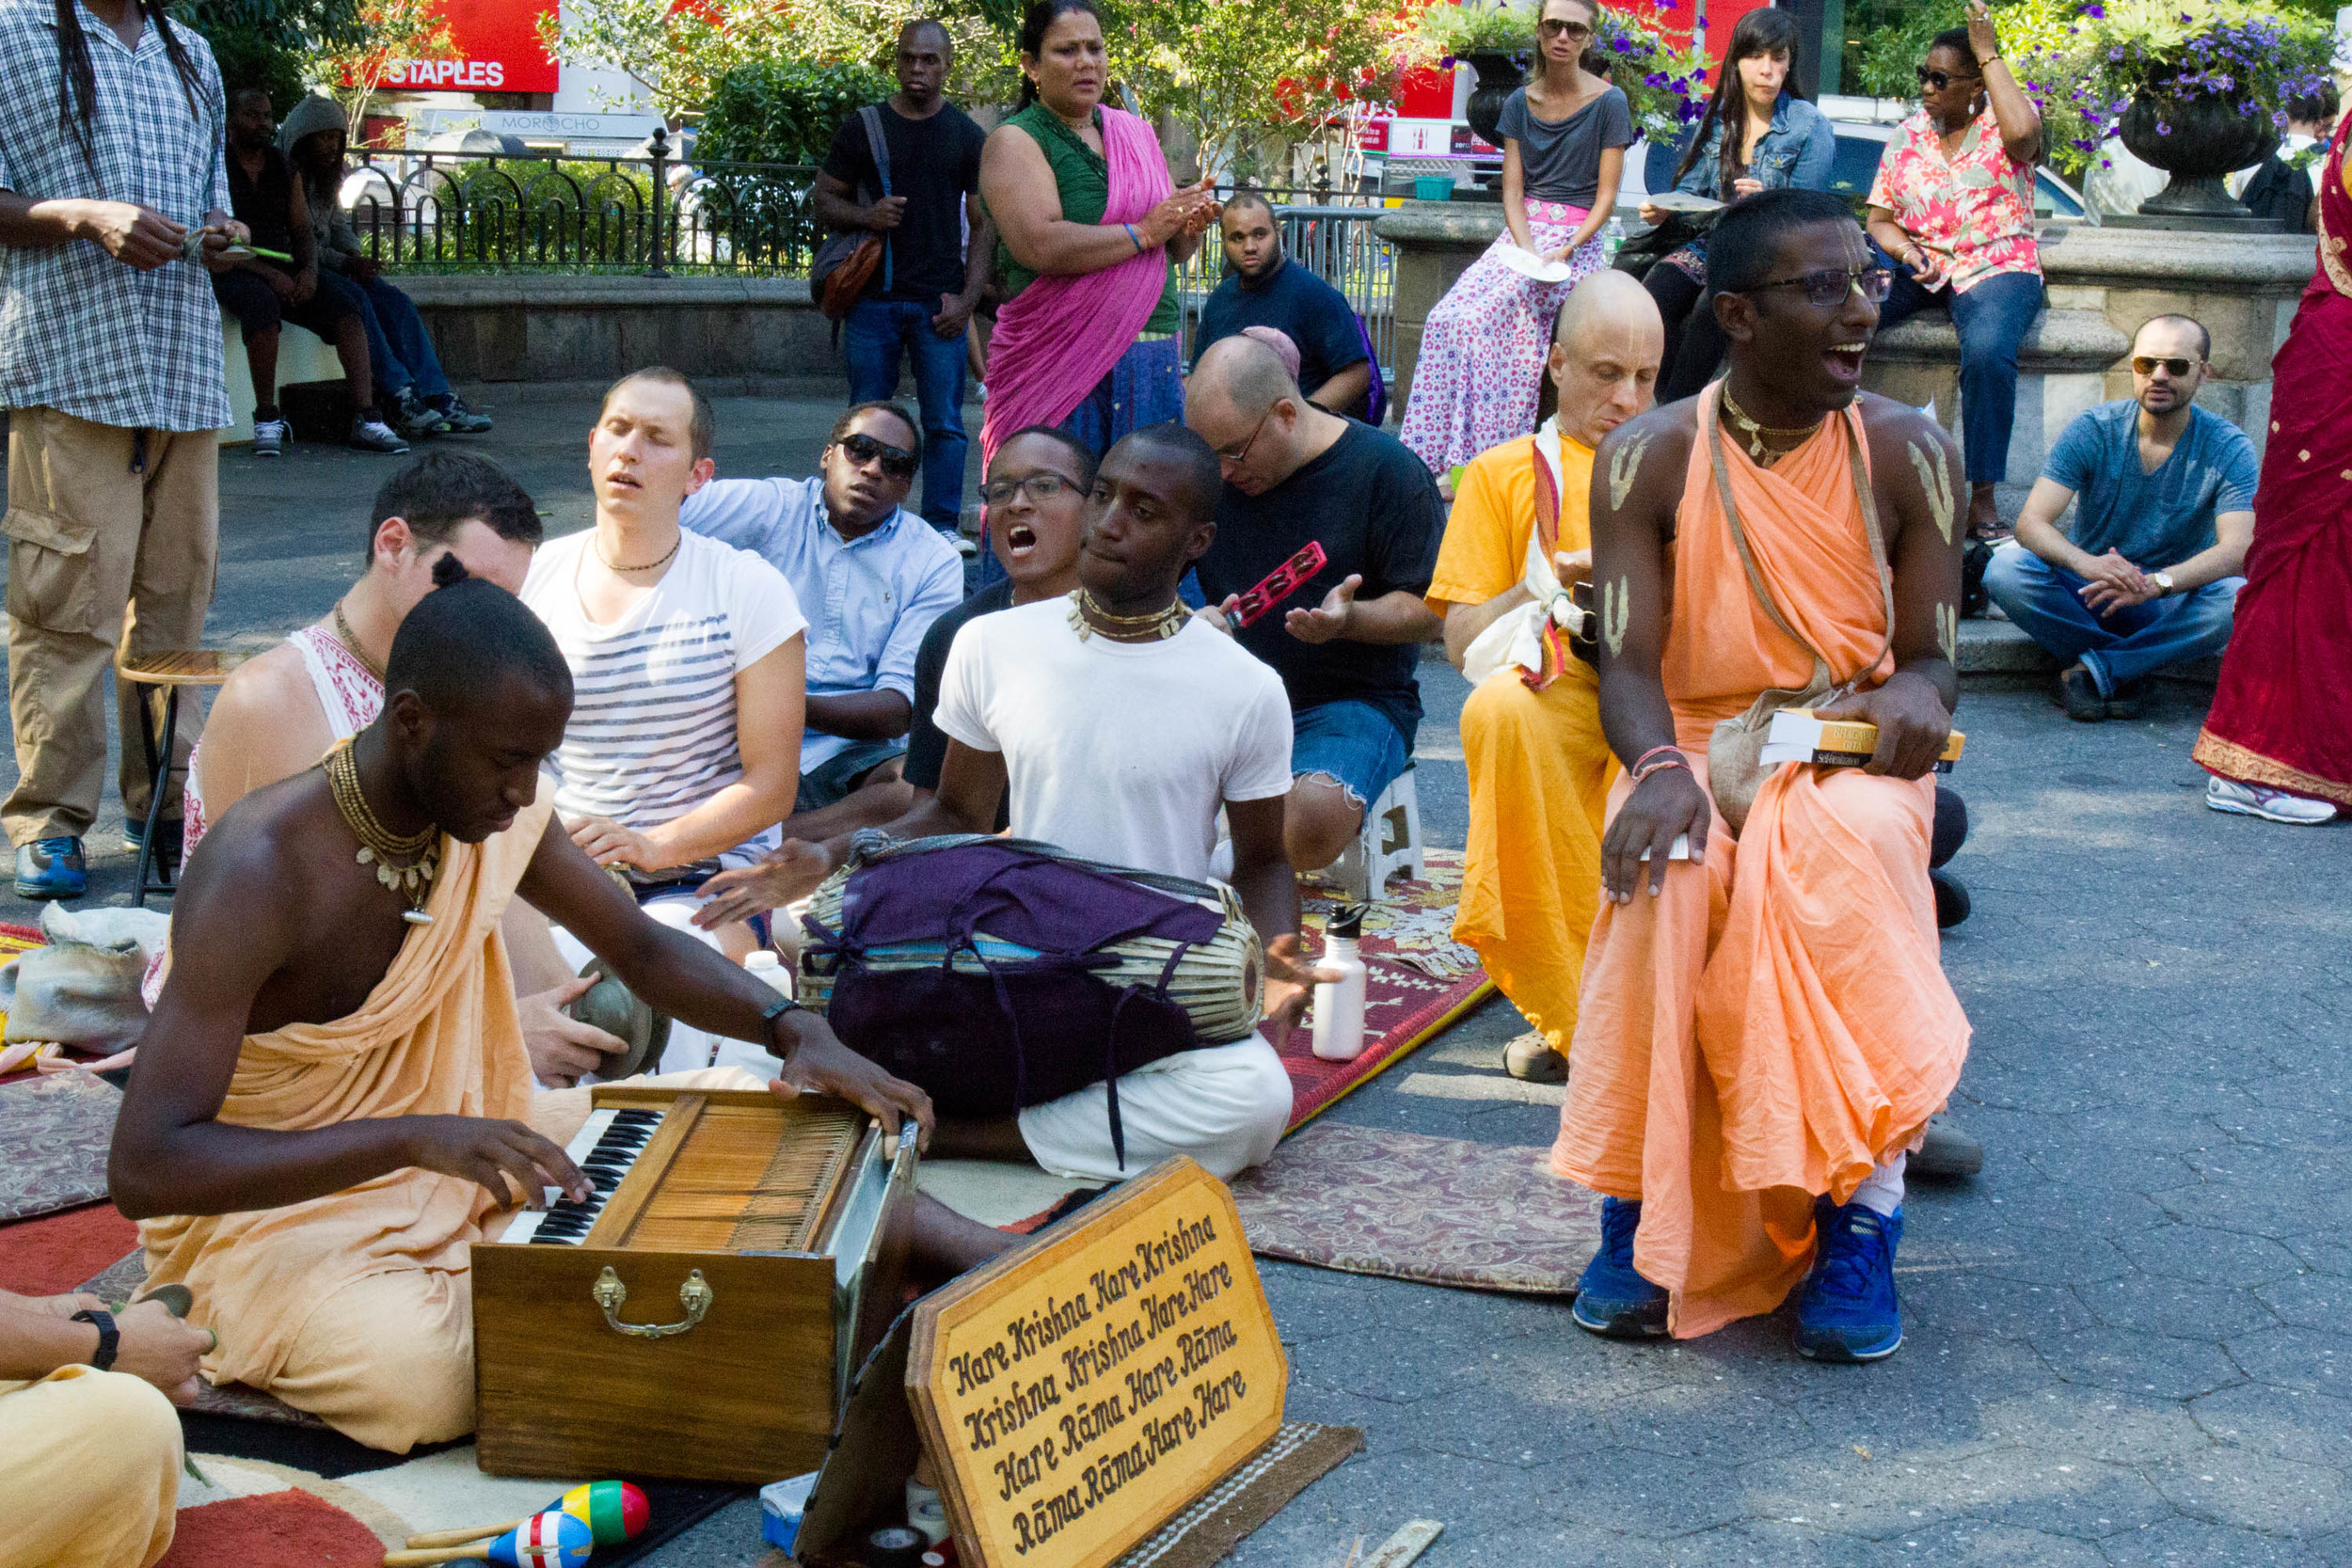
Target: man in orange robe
[
  {"x": 1765, "y": 1026},
  {"x": 1519, "y": 541}
]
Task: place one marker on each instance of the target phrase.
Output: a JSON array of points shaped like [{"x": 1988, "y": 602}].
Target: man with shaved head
[
  {"x": 1517, "y": 548},
  {"x": 1346, "y": 643}
]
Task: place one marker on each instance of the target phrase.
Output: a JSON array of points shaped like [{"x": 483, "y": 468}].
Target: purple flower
[
  {"x": 1655, "y": 79},
  {"x": 2162, "y": 129},
  {"x": 2114, "y": 53},
  {"x": 1446, "y": 62}
]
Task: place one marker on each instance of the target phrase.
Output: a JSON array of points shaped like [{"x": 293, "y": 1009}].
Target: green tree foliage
[
  {"x": 265, "y": 44},
  {"x": 785, "y": 111}
]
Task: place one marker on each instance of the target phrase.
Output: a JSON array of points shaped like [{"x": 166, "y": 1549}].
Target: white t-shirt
[
  {"x": 1119, "y": 752},
  {"x": 653, "y": 734}
]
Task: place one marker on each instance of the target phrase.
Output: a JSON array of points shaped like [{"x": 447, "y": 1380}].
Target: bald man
[
  {"x": 1348, "y": 640},
  {"x": 1518, "y": 544}
]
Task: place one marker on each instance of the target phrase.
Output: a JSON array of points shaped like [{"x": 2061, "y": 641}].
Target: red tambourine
[{"x": 1279, "y": 584}]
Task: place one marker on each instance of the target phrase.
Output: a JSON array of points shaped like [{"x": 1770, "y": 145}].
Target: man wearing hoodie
[{"x": 416, "y": 392}]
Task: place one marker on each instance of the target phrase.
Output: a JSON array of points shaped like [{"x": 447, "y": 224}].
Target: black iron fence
[{"x": 659, "y": 216}]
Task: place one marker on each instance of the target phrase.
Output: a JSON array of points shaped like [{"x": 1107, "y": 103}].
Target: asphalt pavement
[{"x": 2127, "y": 1336}]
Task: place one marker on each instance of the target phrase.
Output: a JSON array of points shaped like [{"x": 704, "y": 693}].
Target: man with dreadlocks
[{"x": 114, "y": 204}]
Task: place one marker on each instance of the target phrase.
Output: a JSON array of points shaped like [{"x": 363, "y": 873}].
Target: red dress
[{"x": 2280, "y": 716}]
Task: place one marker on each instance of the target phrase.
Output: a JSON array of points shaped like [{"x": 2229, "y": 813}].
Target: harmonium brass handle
[{"x": 695, "y": 1295}]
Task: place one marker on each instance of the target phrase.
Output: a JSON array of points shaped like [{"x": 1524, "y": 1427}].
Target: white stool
[{"x": 1389, "y": 841}]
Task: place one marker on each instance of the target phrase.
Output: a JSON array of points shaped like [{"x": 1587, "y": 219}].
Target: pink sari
[{"x": 1059, "y": 336}]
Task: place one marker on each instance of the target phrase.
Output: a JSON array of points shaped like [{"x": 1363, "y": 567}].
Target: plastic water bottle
[
  {"x": 764, "y": 965},
  {"x": 1339, "y": 1004},
  {"x": 1612, "y": 238}
]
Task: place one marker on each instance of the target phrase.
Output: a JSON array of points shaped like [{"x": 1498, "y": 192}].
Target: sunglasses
[
  {"x": 2145, "y": 364},
  {"x": 897, "y": 462},
  {"x": 1552, "y": 27},
  {"x": 1042, "y": 486},
  {"x": 1830, "y": 285},
  {"x": 1936, "y": 80}
]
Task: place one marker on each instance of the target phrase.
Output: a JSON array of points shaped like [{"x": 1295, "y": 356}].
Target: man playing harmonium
[
  {"x": 330, "y": 1101},
  {"x": 1116, "y": 727},
  {"x": 1765, "y": 1026}
]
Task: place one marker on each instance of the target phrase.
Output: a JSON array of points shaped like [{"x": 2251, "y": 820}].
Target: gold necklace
[
  {"x": 650, "y": 565},
  {"x": 350, "y": 640},
  {"x": 1760, "y": 436},
  {"x": 1157, "y": 626},
  {"x": 378, "y": 846}
]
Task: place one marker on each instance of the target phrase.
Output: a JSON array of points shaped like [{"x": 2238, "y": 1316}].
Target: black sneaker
[
  {"x": 461, "y": 421},
  {"x": 415, "y": 417},
  {"x": 2078, "y": 694}
]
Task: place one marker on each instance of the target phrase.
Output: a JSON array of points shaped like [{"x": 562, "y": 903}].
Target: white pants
[
  {"x": 1225, "y": 1106},
  {"x": 688, "y": 1046}
]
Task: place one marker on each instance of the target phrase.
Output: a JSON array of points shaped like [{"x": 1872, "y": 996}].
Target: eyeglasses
[
  {"x": 1936, "y": 80},
  {"x": 1830, "y": 285},
  {"x": 897, "y": 462},
  {"x": 1553, "y": 26},
  {"x": 2145, "y": 364},
  {"x": 1041, "y": 487},
  {"x": 1243, "y": 455}
]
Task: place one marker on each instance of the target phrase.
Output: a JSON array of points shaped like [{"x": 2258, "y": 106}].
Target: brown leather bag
[
  {"x": 1735, "y": 764},
  {"x": 847, "y": 260}
]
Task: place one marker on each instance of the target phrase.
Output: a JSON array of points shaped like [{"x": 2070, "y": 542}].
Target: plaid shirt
[{"x": 79, "y": 331}]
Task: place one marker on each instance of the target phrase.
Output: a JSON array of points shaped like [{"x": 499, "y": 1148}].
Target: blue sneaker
[
  {"x": 1848, "y": 1312},
  {"x": 51, "y": 868},
  {"x": 1612, "y": 1300}
]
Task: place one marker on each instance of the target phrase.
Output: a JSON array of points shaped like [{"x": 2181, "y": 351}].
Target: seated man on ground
[
  {"x": 1117, "y": 728},
  {"x": 261, "y": 292},
  {"x": 332, "y": 1098},
  {"x": 278, "y": 714},
  {"x": 1519, "y": 541},
  {"x": 875, "y": 574},
  {"x": 1036, "y": 496},
  {"x": 1346, "y": 643},
  {"x": 1264, "y": 287},
  {"x": 1765, "y": 1027},
  {"x": 93, "y": 1444},
  {"x": 681, "y": 757},
  {"x": 400, "y": 349},
  {"x": 2164, "y": 495}
]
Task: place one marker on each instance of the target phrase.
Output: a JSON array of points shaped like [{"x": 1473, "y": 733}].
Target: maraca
[
  {"x": 613, "y": 1510},
  {"x": 549, "y": 1540}
]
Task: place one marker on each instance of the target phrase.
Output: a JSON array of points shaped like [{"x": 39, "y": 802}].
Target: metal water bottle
[{"x": 1339, "y": 1004}]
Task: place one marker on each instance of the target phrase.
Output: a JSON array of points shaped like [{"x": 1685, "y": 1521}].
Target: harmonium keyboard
[{"x": 702, "y": 1315}]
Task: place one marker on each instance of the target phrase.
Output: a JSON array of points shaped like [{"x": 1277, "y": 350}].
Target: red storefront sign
[{"x": 497, "y": 49}]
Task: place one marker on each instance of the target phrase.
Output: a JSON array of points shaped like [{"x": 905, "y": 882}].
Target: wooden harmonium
[{"x": 702, "y": 1314}]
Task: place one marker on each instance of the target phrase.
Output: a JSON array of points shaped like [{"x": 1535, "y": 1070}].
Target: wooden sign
[{"x": 1080, "y": 1391}]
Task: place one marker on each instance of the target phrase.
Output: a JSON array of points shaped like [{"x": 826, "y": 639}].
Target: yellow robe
[
  {"x": 93, "y": 1471},
  {"x": 1538, "y": 764},
  {"x": 356, "y": 1306}
]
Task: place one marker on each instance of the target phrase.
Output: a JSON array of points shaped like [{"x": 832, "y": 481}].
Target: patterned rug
[
  {"x": 1405, "y": 1206},
  {"x": 56, "y": 1127},
  {"x": 1421, "y": 981}
]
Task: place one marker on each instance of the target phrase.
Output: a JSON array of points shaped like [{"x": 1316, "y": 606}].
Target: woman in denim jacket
[{"x": 1757, "y": 136}]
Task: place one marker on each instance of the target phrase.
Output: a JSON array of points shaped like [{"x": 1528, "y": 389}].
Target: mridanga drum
[{"x": 998, "y": 973}]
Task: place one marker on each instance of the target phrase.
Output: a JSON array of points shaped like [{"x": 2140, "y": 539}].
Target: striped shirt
[
  {"x": 652, "y": 728},
  {"x": 80, "y": 332}
]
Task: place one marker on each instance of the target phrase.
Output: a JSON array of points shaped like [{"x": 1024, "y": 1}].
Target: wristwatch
[
  {"x": 109, "y": 1337},
  {"x": 2164, "y": 583}
]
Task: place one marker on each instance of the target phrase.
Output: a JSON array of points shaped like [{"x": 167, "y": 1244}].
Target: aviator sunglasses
[
  {"x": 1829, "y": 285},
  {"x": 2145, "y": 364},
  {"x": 897, "y": 462}
]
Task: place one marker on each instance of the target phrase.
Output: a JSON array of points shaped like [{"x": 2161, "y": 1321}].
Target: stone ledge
[
  {"x": 504, "y": 291},
  {"x": 2060, "y": 340}
]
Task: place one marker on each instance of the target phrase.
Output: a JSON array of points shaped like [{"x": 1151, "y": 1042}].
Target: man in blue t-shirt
[
  {"x": 1262, "y": 287},
  {"x": 2148, "y": 575}
]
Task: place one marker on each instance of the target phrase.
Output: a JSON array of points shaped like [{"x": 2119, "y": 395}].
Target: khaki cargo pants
[{"x": 101, "y": 555}]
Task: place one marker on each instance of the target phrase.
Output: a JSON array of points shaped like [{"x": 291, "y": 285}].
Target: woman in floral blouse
[{"x": 1953, "y": 206}]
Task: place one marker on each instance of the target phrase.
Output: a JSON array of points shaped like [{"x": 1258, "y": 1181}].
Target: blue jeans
[
  {"x": 1353, "y": 744},
  {"x": 399, "y": 347},
  {"x": 2117, "y": 648},
  {"x": 1991, "y": 319},
  {"x": 871, "y": 340}
]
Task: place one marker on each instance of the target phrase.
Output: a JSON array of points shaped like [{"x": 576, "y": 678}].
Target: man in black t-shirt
[
  {"x": 263, "y": 293},
  {"x": 1264, "y": 287},
  {"x": 1346, "y": 643},
  {"x": 937, "y": 242}
]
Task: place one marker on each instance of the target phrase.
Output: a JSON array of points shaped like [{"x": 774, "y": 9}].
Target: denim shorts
[
  {"x": 1351, "y": 742},
  {"x": 832, "y": 779}
]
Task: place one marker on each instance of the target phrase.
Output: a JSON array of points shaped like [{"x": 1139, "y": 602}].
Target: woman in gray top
[{"x": 1481, "y": 351}]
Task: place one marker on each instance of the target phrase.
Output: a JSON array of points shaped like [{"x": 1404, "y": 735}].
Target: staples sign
[{"x": 497, "y": 49}]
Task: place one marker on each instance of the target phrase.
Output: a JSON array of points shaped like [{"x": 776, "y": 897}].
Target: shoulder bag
[{"x": 846, "y": 263}]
